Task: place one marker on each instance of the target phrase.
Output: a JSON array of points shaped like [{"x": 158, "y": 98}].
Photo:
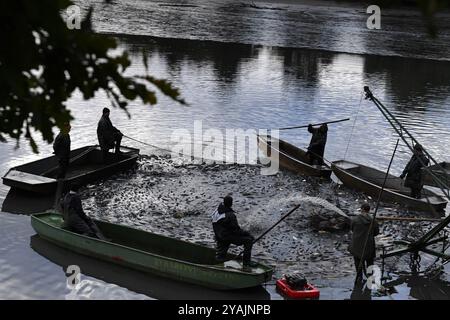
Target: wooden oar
[{"x": 315, "y": 124}]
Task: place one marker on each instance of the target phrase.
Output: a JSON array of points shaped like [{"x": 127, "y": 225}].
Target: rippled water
[
  {"x": 327, "y": 25},
  {"x": 259, "y": 83},
  {"x": 231, "y": 86}
]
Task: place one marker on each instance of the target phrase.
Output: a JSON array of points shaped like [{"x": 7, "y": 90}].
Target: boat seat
[
  {"x": 347, "y": 165},
  {"x": 26, "y": 177}
]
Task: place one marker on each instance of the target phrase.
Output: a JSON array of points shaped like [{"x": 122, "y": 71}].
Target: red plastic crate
[{"x": 310, "y": 292}]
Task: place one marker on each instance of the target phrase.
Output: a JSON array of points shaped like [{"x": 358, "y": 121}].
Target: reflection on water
[
  {"x": 332, "y": 26},
  {"x": 428, "y": 289},
  {"x": 421, "y": 287},
  {"x": 237, "y": 86},
  {"x": 244, "y": 86},
  {"x": 33, "y": 268},
  {"x": 241, "y": 86},
  {"x": 23, "y": 202},
  {"x": 24, "y": 274}
]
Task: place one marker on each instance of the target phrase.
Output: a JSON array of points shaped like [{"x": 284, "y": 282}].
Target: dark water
[
  {"x": 249, "y": 85},
  {"x": 326, "y": 25},
  {"x": 237, "y": 86}
]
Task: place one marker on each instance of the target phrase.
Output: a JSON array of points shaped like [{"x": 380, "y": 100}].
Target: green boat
[{"x": 153, "y": 253}]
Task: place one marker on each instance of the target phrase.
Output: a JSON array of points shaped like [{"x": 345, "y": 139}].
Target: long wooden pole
[
  {"x": 315, "y": 124},
  {"x": 407, "y": 219},
  {"x": 279, "y": 221},
  {"x": 386, "y": 113},
  {"x": 372, "y": 223},
  {"x": 268, "y": 230},
  {"x": 393, "y": 121}
]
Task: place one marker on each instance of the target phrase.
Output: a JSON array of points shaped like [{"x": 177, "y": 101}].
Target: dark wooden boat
[
  {"x": 442, "y": 171},
  {"x": 291, "y": 157},
  {"x": 86, "y": 165},
  {"x": 153, "y": 253},
  {"x": 370, "y": 181}
]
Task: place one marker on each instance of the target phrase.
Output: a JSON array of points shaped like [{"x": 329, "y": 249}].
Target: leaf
[{"x": 46, "y": 62}]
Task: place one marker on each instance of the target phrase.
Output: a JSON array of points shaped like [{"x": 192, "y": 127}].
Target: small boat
[
  {"x": 291, "y": 157},
  {"x": 308, "y": 292},
  {"x": 370, "y": 181},
  {"x": 139, "y": 282},
  {"x": 153, "y": 253},
  {"x": 86, "y": 165},
  {"x": 442, "y": 171}
]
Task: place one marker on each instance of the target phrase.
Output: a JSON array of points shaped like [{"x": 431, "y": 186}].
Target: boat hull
[
  {"x": 291, "y": 158},
  {"x": 224, "y": 276},
  {"x": 369, "y": 181},
  {"x": 442, "y": 172},
  {"x": 40, "y": 176}
]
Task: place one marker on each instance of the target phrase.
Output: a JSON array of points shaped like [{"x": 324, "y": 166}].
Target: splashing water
[
  {"x": 324, "y": 203},
  {"x": 258, "y": 220}
]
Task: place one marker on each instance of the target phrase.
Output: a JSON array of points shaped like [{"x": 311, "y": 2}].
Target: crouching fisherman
[
  {"x": 75, "y": 219},
  {"x": 227, "y": 231},
  {"x": 109, "y": 137}
]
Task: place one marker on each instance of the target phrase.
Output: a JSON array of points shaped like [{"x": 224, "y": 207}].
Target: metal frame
[{"x": 428, "y": 239}]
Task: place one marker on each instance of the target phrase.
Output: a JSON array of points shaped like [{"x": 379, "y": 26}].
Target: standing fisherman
[
  {"x": 109, "y": 137},
  {"x": 413, "y": 171},
  {"x": 61, "y": 148},
  {"x": 316, "y": 147},
  {"x": 364, "y": 229}
]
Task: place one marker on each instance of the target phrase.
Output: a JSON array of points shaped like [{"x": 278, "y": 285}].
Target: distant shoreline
[
  {"x": 328, "y": 3},
  {"x": 225, "y": 43}
]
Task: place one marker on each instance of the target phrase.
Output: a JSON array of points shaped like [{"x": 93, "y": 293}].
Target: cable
[{"x": 354, "y": 124}]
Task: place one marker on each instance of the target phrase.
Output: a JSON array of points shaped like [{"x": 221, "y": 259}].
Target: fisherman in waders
[
  {"x": 316, "y": 148},
  {"x": 61, "y": 149},
  {"x": 227, "y": 231},
  {"x": 413, "y": 172},
  {"x": 109, "y": 137},
  {"x": 75, "y": 219},
  {"x": 364, "y": 229}
]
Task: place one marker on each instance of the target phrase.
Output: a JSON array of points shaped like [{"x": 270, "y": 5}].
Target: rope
[
  {"x": 354, "y": 124},
  {"x": 148, "y": 144},
  {"x": 179, "y": 153}
]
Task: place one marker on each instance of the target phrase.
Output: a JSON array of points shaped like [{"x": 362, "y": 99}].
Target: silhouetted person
[
  {"x": 316, "y": 148},
  {"x": 361, "y": 292},
  {"x": 227, "y": 231},
  {"x": 109, "y": 137},
  {"x": 413, "y": 171},
  {"x": 75, "y": 219},
  {"x": 61, "y": 149},
  {"x": 364, "y": 228}
]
